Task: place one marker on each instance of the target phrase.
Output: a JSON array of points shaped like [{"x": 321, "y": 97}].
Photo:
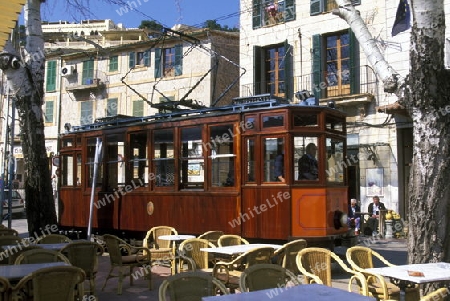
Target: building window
[
  {"x": 140, "y": 58},
  {"x": 323, "y": 6},
  {"x": 49, "y": 109},
  {"x": 335, "y": 64},
  {"x": 113, "y": 63},
  {"x": 138, "y": 108},
  {"x": 88, "y": 72},
  {"x": 111, "y": 107},
  {"x": 269, "y": 12},
  {"x": 169, "y": 61},
  {"x": 86, "y": 116},
  {"x": 51, "y": 76},
  {"x": 272, "y": 70}
]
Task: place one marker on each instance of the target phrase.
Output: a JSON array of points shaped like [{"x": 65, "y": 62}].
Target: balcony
[{"x": 76, "y": 82}]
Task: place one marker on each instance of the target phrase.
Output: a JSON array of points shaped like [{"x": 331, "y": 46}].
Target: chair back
[
  {"x": 6, "y": 231},
  {"x": 4, "y": 289},
  {"x": 83, "y": 254},
  {"x": 53, "y": 239},
  {"x": 286, "y": 255},
  {"x": 211, "y": 236},
  {"x": 231, "y": 240},
  {"x": 315, "y": 265},
  {"x": 40, "y": 256},
  {"x": 190, "y": 250},
  {"x": 13, "y": 256},
  {"x": 190, "y": 286},
  {"x": 152, "y": 240},
  {"x": 265, "y": 276},
  {"x": 438, "y": 295},
  {"x": 114, "y": 245},
  {"x": 257, "y": 256},
  {"x": 7, "y": 240},
  {"x": 360, "y": 257},
  {"x": 57, "y": 283}
]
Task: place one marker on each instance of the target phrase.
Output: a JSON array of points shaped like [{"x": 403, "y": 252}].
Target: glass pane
[
  {"x": 67, "y": 170},
  {"x": 335, "y": 160},
  {"x": 91, "y": 146},
  {"x": 115, "y": 167},
  {"x": 250, "y": 176},
  {"x": 333, "y": 123},
  {"x": 138, "y": 159},
  {"x": 164, "y": 158},
  {"x": 305, "y": 154},
  {"x": 222, "y": 156},
  {"x": 271, "y": 121},
  {"x": 305, "y": 119},
  {"x": 192, "y": 171},
  {"x": 272, "y": 149},
  {"x": 79, "y": 179}
]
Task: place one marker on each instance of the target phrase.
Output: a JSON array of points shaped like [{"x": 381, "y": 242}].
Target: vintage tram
[{"x": 209, "y": 169}]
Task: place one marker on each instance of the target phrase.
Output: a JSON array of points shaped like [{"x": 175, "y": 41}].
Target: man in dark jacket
[
  {"x": 374, "y": 211},
  {"x": 307, "y": 164},
  {"x": 354, "y": 216}
]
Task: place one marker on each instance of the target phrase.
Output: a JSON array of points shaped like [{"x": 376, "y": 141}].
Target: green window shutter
[
  {"x": 158, "y": 53},
  {"x": 288, "y": 77},
  {"x": 257, "y": 13},
  {"x": 88, "y": 72},
  {"x": 51, "y": 76},
  {"x": 257, "y": 69},
  {"x": 114, "y": 63},
  {"x": 178, "y": 59},
  {"x": 138, "y": 108},
  {"x": 132, "y": 59},
  {"x": 317, "y": 65},
  {"x": 49, "y": 111},
  {"x": 289, "y": 11},
  {"x": 86, "y": 116},
  {"x": 316, "y": 7},
  {"x": 147, "y": 58},
  {"x": 354, "y": 64},
  {"x": 111, "y": 107}
]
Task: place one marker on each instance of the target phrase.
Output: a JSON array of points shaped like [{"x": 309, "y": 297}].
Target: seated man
[
  {"x": 279, "y": 168},
  {"x": 354, "y": 217},
  {"x": 374, "y": 210},
  {"x": 307, "y": 164}
]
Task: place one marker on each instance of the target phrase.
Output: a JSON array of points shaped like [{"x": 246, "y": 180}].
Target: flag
[{"x": 402, "y": 18}]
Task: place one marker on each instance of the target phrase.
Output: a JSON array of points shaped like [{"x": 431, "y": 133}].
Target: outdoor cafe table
[
  {"x": 14, "y": 272},
  {"x": 238, "y": 249},
  {"x": 400, "y": 274},
  {"x": 54, "y": 247},
  {"x": 316, "y": 292},
  {"x": 176, "y": 238}
]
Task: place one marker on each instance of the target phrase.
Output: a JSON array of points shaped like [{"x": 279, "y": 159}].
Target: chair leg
[
  {"x": 119, "y": 287},
  {"x": 108, "y": 277}
]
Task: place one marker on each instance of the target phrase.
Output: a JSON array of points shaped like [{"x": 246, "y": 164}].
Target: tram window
[
  {"x": 68, "y": 142},
  {"x": 250, "y": 152},
  {"x": 164, "y": 158},
  {"x": 333, "y": 123},
  {"x": 78, "y": 180},
  {"x": 250, "y": 123},
  {"x": 335, "y": 160},
  {"x": 273, "y": 147},
  {"x": 307, "y": 120},
  {"x": 115, "y": 167},
  {"x": 222, "y": 156},
  {"x": 91, "y": 146},
  {"x": 272, "y": 121},
  {"x": 67, "y": 170},
  {"x": 192, "y": 173},
  {"x": 306, "y": 166},
  {"x": 138, "y": 158}
]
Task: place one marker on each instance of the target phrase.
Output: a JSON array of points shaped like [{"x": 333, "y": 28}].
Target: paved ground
[{"x": 393, "y": 250}]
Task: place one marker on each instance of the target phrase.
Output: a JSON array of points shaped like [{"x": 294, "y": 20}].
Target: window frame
[
  {"x": 113, "y": 65},
  {"x": 142, "y": 56},
  {"x": 49, "y": 111},
  {"x": 268, "y": 12},
  {"x": 160, "y": 61},
  {"x": 51, "y": 74},
  {"x": 318, "y": 7}
]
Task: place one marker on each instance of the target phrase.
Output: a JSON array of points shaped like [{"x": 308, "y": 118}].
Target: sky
[{"x": 168, "y": 12}]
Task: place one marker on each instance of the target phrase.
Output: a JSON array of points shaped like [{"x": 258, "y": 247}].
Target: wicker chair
[
  {"x": 162, "y": 251},
  {"x": 4, "y": 289},
  {"x": 59, "y": 283},
  {"x": 231, "y": 240},
  {"x": 84, "y": 254},
  {"x": 190, "y": 253},
  {"x": 190, "y": 286},
  {"x": 230, "y": 272},
  {"x": 361, "y": 258},
  {"x": 315, "y": 265},
  {"x": 211, "y": 236},
  {"x": 40, "y": 256},
  {"x": 265, "y": 276},
  {"x": 7, "y": 240},
  {"x": 7, "y": 231},
  {"x": 141, "y": 258},
  {"x": 13, "y": 256},
  {"x": 287, "y": 254},
  {"x": 53, "y": 239},
  {"x": 438, "y": 295}
]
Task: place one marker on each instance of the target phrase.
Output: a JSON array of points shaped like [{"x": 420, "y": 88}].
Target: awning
[
  {"x": 9, "y": 13},
  {"x": 394, "y": 108}
]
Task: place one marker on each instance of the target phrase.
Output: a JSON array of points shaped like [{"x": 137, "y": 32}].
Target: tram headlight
[{"x": 340, "y": 219}]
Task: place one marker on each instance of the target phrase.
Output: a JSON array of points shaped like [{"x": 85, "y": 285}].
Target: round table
[{"x": 177, "y": 238}]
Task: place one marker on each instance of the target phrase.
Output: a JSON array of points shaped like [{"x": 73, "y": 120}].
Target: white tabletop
[
  {"x": 237, "y": 249},
  {"x": 316, "y": 292},
  {"x": 18, "y": 271},
  {"x": 432, "y": 272},
  {"x": 175, "y": 237}
]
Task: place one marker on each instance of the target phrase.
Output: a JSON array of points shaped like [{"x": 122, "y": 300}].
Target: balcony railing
[{"x": 76, "y": 81}]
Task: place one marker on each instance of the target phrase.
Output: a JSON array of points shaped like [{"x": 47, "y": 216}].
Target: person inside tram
[
  {"x": 279, "y": 167},
  {"x": 307, "y": 164}
]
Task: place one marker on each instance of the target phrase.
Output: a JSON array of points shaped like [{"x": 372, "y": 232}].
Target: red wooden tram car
[{"x": 209, "y": 169}]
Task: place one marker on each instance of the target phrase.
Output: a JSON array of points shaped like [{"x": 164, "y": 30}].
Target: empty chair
[
  {"x": 231, "y": 240},
  {"x": 162, "y": 251},
  {"x": 84, "y": 254},
  {"x": 361, "y": 258},
  {"x": 265, "y": 276},
  {"x": 14, "y": 243},
  {"x": 190, "y": 286},
  {"x": 13, "y": 256},
  {"x": 140, "y": 258},
  {"x": 212, "y": 236},
  {"x": 40, "y": 256},
  {"x": 53, "y": 239},
  {"x": 286, "y": 255},
  {"x": 189, "y": 251},
  {"x": 59, "y": 283},
  {"x": 6, "y": 231}
]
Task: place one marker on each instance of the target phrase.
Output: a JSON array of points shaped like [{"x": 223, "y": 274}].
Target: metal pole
[
  {"x": 4, "y": 176},
  {"x": 97, "y": 159},
  {"x": 11, "y": 161}
]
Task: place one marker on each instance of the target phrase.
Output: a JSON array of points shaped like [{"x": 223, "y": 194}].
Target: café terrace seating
[
  {"x": 162, "y": 251},
  {"x": 287, "y": 254},
  {"x": 231, "y": 240},
  {"x": 190, "y": 254},
  {"x": 265, "y": 276},
  {"x": 40, "y": 256}
]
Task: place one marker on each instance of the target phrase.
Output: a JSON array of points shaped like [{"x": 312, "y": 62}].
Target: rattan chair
[
  {"x": 287, "y": 254},
  {"x": 5, "y": 287},
  {"x": 84, "y": 254},
  {"x": 361, "y": 258},
  {"x": 7, "y": 231},
  {"x": 59, "y": 283},
  {"x": 141, "y": 258},
  {"x": 315, "y": 265},
  {"x": 231, "y": 240},
  {"x": 53, "y": 239},
  {"x": 438, "y": 295},
  {"x": 13, "y": 256},
  {"x": 163, "y": 251},
  {"x": 196, "y": 260},
  {"x": 190, "y": 286},
  {"x": 230, "y": 272},
  {"x": 40, "y": 256},
  {"x": 211, "y": 236},
  {"x": 265, "y": 276},
  {"x": 9, "y": 240}
]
